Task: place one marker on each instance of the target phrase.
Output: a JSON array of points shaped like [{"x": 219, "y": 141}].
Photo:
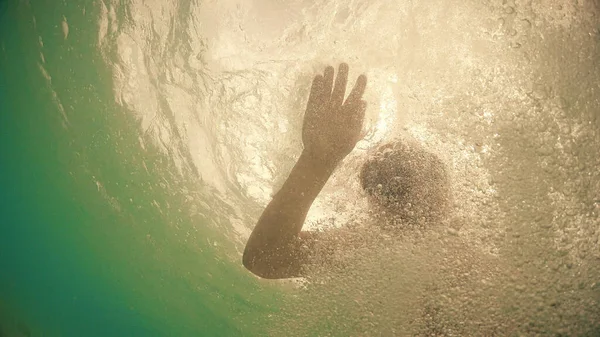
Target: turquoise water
[
  {"x": 84, "y": 258},
  {"x": 140, "y": 140}
]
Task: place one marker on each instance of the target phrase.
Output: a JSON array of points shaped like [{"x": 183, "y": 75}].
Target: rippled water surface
[{"x": 145, "y": 137}]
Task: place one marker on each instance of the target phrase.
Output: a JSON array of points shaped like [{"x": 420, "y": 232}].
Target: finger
[
  {"x": 356, "y": 120},
  {"x": 356, "y": 115},
  {"x": 327, "y": 83},
  {"x": 358, "y": 91},
  {"x": 316, "y": 91},
  {"x": 359, "y": 113},
  {"x": 337, "y": 97},
  {"x": 359, "y": 119}
]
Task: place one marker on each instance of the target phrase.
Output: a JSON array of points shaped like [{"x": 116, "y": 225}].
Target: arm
[{"x": 277, "y": 248}]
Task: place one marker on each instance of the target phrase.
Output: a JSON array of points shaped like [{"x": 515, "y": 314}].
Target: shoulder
[{"x": 335, "y": 246}]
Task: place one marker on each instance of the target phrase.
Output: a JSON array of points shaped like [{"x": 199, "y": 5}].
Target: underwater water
[{"x": 141, "y": 140}]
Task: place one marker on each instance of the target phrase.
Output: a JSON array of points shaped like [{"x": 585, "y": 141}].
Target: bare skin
[{"x": 277, "y": 247}]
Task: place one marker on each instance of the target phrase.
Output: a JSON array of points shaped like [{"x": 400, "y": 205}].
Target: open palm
[{"x": 332, "y": 127}]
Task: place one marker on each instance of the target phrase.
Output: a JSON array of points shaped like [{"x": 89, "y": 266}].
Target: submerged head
[{"x": 407, "y": 184}]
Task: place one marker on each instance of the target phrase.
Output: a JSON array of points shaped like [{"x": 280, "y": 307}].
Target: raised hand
[
  {"x": 332, "y": 127},
  {"x": 277, "y": 247}
]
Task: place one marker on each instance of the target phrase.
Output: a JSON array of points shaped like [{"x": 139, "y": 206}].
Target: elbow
[
  {"x": 258, "y": 265},
  {"x": 248, "y": 261}
]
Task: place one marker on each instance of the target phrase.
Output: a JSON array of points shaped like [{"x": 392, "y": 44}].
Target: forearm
[
  {"x": 330, "y": 131},
  {"x": 285, "y": 215},
  {"x": 282, "y": 220}
]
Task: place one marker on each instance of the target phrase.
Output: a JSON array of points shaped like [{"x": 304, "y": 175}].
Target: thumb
[{"x": 359, "y": 113}]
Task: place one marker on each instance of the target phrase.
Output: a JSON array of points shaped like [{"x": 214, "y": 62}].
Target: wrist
[
  {"x": 319, "y": 164},
  {"x": 308, "y": 177}
]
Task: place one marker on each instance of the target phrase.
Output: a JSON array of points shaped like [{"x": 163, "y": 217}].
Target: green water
[
  {"x": 140, "y": 140},
  {"x": 83, "y": 249}
]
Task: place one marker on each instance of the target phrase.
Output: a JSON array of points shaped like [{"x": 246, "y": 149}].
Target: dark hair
[{"x": 410, "y": 184}]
